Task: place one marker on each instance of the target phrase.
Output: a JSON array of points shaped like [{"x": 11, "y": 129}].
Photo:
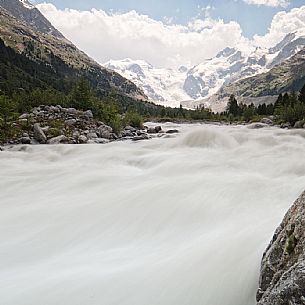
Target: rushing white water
[{"x": 181, "y": 221}]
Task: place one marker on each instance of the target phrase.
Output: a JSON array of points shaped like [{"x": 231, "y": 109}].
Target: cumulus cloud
[
  {"x": 272, "y": 3},
  {"x": 282, "y": 24},
  {"x": 107, "y": 36}
]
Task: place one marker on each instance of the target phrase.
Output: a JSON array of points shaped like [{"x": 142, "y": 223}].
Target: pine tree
[
  {"x": 286, "y": 100},
  {"x": 302, "y": 95},
  {"x": 81, "y": 96},
  {"x": 233, "y": 107}
]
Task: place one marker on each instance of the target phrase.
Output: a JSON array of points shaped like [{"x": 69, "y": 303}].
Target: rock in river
[{"x": 282, "y": 278}]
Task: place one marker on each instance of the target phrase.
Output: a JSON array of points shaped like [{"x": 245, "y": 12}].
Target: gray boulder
[
  {"x": 25, "y": 140},
  {"x": 127, "y": 134},
  {"x": 70, "y": 122},
  {"x": 299, "y": 124},
  {"x": 88, "y": 114},
  {"x": 71, "y": 111},
  {"x": 285, "y": 125},
  {"x": 267, "y": 121},
  {"x": 24, "y": 116},
  {"x": 130, "y": 128},
  {"x": 58, "y": 140},
  {"x": 105, "y": 132},
  {"x": 54, "y": 109},
  {"x": 92, "y": 135},
  {"x": 156, "y": 129},
  {"x": 82, "y": 139},
  {"x": 282, "y": 278},
  {"x": 101, "y": 141},
  {"x": 39, "y": 135}
]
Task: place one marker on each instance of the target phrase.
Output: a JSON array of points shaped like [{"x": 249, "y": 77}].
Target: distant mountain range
[
  {"x": 163, "y": 86},
  {"x": 256, "y": 75},
  {"x": 244, "y": 73},
  {"x": 45, "y": 58}
]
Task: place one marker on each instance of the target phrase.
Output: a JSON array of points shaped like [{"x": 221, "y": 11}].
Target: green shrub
[
  {"x": 134, "y": 119},
  {"x": 8, "y": 114}
]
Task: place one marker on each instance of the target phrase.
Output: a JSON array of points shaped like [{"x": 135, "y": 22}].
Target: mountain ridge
[
  {"x": 207, "y": 79},
  {"x": 38, "y": 40}
]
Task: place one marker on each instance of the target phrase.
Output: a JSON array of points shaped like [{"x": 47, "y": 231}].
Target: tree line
[{"x": 289, "y": 107}]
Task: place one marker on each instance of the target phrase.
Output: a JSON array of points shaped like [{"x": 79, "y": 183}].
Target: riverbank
[{"x": 58, "y": 125}]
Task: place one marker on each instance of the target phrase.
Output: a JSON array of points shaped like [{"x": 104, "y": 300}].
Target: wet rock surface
[{"x": 282, "y": 278}]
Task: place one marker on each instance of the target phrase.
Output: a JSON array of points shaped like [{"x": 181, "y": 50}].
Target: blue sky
[{"x": 252, "y": 18}]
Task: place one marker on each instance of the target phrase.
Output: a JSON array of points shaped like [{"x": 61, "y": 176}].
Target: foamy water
[{"x": 180, "y": 221}]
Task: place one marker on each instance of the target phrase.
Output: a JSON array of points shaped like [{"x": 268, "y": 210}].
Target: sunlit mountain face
[
  {"x": 171, "y": 86},
  {"x": 174, "y": 62}
]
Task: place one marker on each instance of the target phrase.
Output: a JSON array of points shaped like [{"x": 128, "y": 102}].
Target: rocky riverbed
[{"x": 56, "y": 125}]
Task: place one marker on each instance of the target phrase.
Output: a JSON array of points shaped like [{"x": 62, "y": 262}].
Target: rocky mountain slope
[
  {"x": 284, "y": 77},
  {"x": 232, "y": 65},
  {"x": 282, "y": 279},
  {"x": 168, "y": 86},
  {"x": 24, "y": 11},
  {"x": 29, "y": 33}
]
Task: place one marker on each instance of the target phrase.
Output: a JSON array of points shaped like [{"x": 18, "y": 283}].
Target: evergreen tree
[
  {"x": 233, "y": 107},
  {"x": 293, "y": 98},
  {"x": 279, "y": 101},
  {"x": 81, "y": 96},
  {"x": 286, "y": 100},
  {"x": 302, "y": 95}
]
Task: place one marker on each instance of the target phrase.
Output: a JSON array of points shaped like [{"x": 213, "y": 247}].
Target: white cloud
[
  {"x": 282, "y": 24},
  {"x": 107, "y": 36},
  {"x": 272, "y": 3}
]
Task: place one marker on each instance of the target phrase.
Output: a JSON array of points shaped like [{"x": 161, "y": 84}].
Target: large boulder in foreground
[{"x": 282, "y": 279}]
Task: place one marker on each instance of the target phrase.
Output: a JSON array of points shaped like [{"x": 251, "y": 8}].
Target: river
[{"x": 170, "y": 221}]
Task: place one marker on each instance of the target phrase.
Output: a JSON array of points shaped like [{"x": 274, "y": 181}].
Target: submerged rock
[
  {"x": 156, "y": 129},
  {"x": 257, "y": 125},
  {"x": 141, "y": 137},
  {"x": 171, "y": 131},
  {"x": 282, "y": 278}
]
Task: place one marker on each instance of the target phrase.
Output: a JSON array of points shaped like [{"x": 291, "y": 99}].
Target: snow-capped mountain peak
[
  {"x": 172, "y": 86},
  {"x": 27, "y": 4},
  {"x": 161, "y": 85}
]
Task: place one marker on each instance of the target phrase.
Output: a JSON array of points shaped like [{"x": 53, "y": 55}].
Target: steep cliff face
[{"x": 282, "y": 279}]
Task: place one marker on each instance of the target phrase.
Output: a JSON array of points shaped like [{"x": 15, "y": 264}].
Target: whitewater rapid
[{"x": 175, "y": 221}]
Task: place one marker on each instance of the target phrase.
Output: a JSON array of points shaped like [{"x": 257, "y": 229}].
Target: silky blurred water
[{"x": 173, "y": 221}]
